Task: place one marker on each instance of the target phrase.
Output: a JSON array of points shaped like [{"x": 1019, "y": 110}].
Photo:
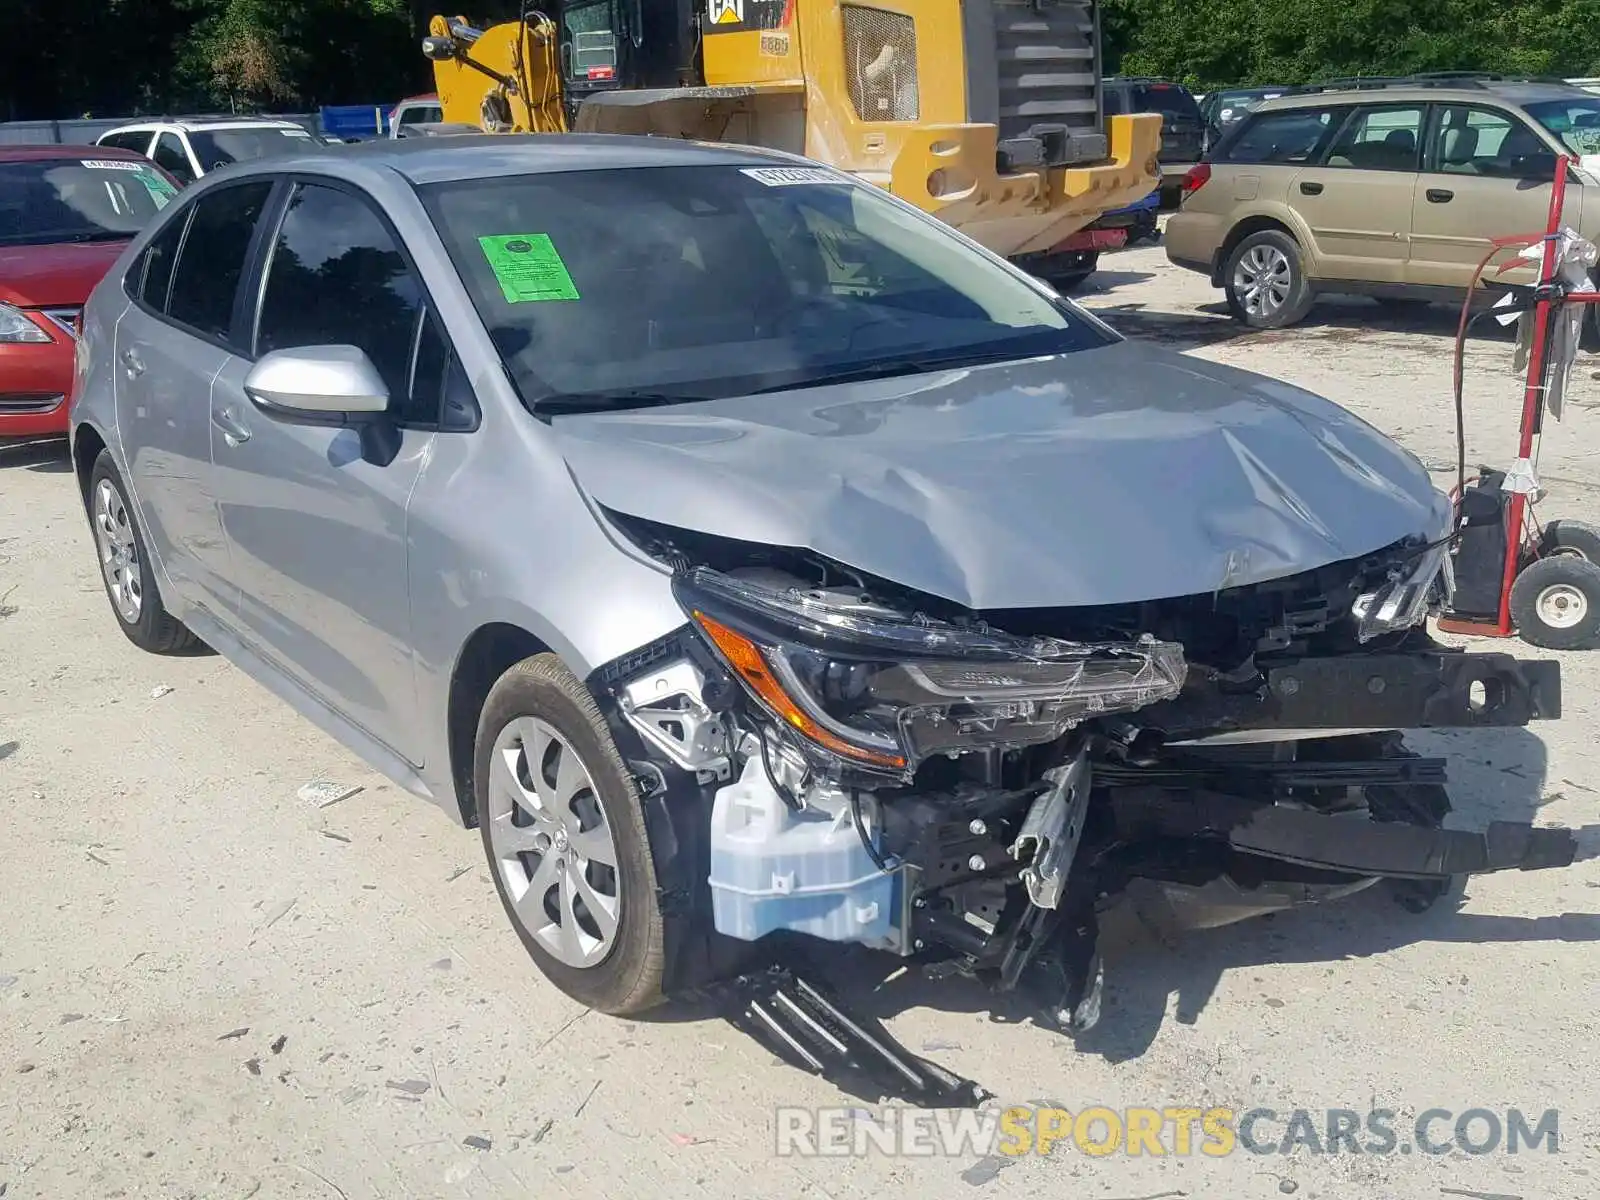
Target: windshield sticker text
[
  {"x": 527, "y": 267},
  {"x": 111, "y": 164},
  {"x": 788, "y": 176}
]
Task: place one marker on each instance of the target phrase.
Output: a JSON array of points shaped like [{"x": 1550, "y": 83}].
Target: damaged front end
[{"x": 823, "y": 753}]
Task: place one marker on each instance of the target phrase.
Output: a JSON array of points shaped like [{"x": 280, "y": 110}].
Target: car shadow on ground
[
  {"x": 1333, "y": 321},
  {"x": 1495, "y": 774},
  {"x": 48, "y": 456}
]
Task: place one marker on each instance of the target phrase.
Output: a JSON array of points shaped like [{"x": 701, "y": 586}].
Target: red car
[{"x": 66, "y": 213}]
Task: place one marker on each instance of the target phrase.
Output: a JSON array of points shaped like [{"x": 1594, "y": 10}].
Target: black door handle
[
  {"x": 1440, "y": 196},
  {"x": 1311, "y": 189}
]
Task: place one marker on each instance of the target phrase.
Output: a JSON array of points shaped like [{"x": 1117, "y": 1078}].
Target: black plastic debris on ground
[{"x": 798, "y": 1021}]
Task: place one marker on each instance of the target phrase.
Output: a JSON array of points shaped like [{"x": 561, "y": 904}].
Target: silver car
[{"x": 745, "y": 553}]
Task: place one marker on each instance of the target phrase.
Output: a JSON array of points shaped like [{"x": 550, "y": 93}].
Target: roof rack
[{"x": 1424, "y": 79}]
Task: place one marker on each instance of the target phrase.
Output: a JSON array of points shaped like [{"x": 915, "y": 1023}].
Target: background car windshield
[
  {"x": 1576, "y": 122},
  {"x": 219, "y": 147},
  {"x": 717, "y": 280},
  {"x": 78, "y": 200}
]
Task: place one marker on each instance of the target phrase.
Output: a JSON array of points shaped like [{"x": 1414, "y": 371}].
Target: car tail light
[{"x": 1199, "y": 175}]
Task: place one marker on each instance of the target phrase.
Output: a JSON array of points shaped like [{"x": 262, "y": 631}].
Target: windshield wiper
[
  {"x": 888, "y": 368},
  {"x": 618, "y": 401},
  {"x": 97, "y": 235}
]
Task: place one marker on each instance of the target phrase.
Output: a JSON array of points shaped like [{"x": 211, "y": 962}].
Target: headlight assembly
[
  {"x": 883, "y": 691},
  {"x": 15, "y": 327}
]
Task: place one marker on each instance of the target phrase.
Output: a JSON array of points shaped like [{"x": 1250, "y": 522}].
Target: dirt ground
[{"x": 211, "y": 987}]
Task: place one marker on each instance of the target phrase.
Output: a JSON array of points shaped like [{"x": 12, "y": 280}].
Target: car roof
[
  {"x": 198, "y": 124},
  {"x": 485, "y": 155},
  {"x": 1516, "y": 92},
  {"x": 29, "y": 153}
]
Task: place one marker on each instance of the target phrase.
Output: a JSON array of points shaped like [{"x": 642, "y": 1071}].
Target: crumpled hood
[
  {"x": 1116, "y": 474},
  {"x": 63, "y": 274}
]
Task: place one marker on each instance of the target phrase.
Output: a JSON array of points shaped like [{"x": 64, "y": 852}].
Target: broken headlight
[
  {"x": 1414, "y": 587},
  {"x": 883, "y": 690}
]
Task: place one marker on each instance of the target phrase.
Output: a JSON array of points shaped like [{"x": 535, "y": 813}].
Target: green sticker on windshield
[
  {"x": 160, "y": 190},
  {"x": 527, "y": 267}
]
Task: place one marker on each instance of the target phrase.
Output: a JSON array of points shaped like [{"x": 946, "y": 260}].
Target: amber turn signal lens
[{"x": 745, "y": 657}]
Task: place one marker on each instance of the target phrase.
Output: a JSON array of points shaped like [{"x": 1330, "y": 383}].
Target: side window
[
  {"x": 151, "y": 281},
  {"x": 337, "y": 277},
  {"x": 1480, "y": 141},
  {"x": 1290, "y": 136},
  {"x": 212, "y": 261},
  {"x": 139, "y": 142},
  {"x": 170, "y": 155},
  {"x": 1379, "y": 139}
]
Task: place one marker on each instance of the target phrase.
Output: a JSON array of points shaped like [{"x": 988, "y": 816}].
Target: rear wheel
[
  {"x": 1072, "y": 270},
  {"x": 125, "y": 566},
  {"x": 1265, "y": 281},
  {"x": 1572, "y": 538},
  {"x": 564, "y": 834}
]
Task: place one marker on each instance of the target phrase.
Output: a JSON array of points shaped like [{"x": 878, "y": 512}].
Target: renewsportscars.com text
[{"x": 1174, "y": 1130}]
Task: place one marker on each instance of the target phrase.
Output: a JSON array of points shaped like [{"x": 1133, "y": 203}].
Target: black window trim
[
  {"x": 258, "y": 263},
  {"x": 1355, "y": 114}
]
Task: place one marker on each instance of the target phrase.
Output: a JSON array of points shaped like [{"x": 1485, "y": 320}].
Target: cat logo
[{"x": 725, "y": 12}]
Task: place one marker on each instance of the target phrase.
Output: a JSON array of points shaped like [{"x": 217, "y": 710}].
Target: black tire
[
  {"x": 629, "y": 978},
  {"x": 1548, "y": 586},
  {"x": 1573, "y": 538},
  {"x": 153, "y": 629},
  {"x": 1298, "y": 300}
]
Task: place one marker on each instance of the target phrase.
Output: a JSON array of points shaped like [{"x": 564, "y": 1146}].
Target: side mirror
[{"x": 322, "y": 385}]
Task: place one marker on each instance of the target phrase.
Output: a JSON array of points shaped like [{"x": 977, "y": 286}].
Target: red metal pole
[{"x": 1533, "y": 394}]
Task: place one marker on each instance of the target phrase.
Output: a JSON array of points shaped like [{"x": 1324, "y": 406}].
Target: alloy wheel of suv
[
  {"x": 1265, "y": 281},
  {"x": 564, "y": 833}
]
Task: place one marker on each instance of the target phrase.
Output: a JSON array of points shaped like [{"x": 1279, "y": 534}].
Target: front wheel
[
  {"x": 1555, "y": 603},
  {"x": 564, "y": 833},
  {"x": 1265, "y": 281}
]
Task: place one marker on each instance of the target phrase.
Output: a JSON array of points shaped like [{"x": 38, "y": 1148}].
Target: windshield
[
  {"x": 710, "y": 281},
  {"x": 1576, "y": 121},
  {"x": 78, "y": 200},
  {"x": 219, "y": 147}
]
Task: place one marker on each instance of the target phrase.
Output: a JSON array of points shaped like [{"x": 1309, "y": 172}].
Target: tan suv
[{"x": 1390, "y": 189}]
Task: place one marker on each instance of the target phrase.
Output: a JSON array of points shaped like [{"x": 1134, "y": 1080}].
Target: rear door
[
  {"x": 1486, "y": 174},
  {"x": 1357, "y": 204},
  {"x": 171, "y": 344},
  {"x": 318, "y": 532}
]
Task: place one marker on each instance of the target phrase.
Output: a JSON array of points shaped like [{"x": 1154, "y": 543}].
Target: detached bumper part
[
  {"x": 1337, "y": 843},
  {"x": 1378, "y": 691}
]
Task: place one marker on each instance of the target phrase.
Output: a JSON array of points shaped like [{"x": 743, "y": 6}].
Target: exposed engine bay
[{"x": 837, "y": 757}]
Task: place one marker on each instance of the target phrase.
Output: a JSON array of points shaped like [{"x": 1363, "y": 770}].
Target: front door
[
  {"x": 317, "y": 532},
  {"x": 172, "y": 342},
  {"x": 1486, "y": 175},
  {"x": 1357, "y": 205}
]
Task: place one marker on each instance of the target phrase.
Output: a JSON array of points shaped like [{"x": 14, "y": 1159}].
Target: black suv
[{"x": 1183, "y": 129}]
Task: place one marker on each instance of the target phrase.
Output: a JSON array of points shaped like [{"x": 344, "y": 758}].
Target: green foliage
[
  {"x": 68, "y": 58},
  {"x": 1210, "y": 43}
]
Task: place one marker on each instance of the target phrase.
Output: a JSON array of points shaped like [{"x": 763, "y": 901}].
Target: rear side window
[
  {"x": 1291, "y": 136},
  {"x": 337, "y": 277},
  {"x": 139, "y": 142},
  {"x": 154, "y": 278},
  {"x": 212, "y": 260},
  {"x": 1379, "y": 139},
  {"x": 173, "y": 158}
]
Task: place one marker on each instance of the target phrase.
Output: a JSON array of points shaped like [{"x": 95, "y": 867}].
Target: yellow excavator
[{"x": 985, "y": 113}]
